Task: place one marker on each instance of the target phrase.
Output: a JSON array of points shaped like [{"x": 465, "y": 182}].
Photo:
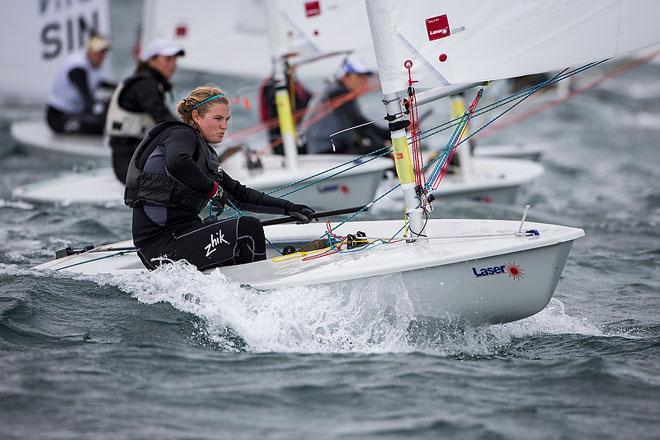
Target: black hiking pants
[
  {"x": 82, "y": 123},
  {"x": 221, "y": 243}
]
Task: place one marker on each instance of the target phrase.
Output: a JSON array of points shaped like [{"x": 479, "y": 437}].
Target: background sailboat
[
  {"x": 50, "y": 32},
  {"x": 345, "y": 183}
]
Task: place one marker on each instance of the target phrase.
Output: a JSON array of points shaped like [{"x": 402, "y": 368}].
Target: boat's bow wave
[{"x": 372, "y": 316}]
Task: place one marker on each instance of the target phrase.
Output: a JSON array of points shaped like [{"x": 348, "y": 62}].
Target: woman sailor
[
  {"x": 140, "y": 102},
  {"x": 174, "y": 173}
]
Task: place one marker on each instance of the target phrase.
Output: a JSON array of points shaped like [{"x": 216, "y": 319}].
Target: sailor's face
[
  {"x": 96, "y": 58},
  {"x": 213, "y": 125},
  {"x": 165, "y": 65},
  {"x": 354, "y": 81}
]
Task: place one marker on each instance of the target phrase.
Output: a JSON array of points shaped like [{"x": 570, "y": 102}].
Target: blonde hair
[{"x": 201, "y": 98}]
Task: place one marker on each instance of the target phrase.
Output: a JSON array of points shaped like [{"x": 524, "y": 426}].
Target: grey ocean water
[{"x": 177, "y": 354}]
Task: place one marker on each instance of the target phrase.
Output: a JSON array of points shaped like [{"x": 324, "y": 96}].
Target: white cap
[
  {"x": 98, "y": 43},
  {"x": 353, "y": 64},
  {"x": 161, "y": 46}
]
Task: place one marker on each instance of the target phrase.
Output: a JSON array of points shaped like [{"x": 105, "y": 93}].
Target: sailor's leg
[
  {"x": 221, "y": 243},
  {"x": 91, "y": 123},
  {"x": 55, "y": 119},
  {"x": 82, "y": 123}
]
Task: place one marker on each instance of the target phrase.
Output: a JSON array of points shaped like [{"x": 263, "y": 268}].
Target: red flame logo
[{"x": 514, "y": 271}]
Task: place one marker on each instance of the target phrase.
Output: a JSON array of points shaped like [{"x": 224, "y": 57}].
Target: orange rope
[{"x": 326, "y": 107}]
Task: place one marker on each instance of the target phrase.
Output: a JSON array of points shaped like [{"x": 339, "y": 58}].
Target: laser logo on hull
[
  {"x": 333, "y": 187},
  {"x": 513, "y": 270}
]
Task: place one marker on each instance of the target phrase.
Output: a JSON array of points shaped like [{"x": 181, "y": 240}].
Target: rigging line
[
  {"x": 502, "y": 103},
  {"x": 398, "y": 185},
  {"x": 351, "y": 128},
  {"x": 494, "y": 119},
  {"x": 613, "y": 73},
  {"x": 324, "y": 108},
  {"x": 331, "y": 175},
  {"x": 247, "y": 132},
  {"x": 367, "y": 206},
  {"x": 442, "y": 166},
  {"x": 528, "y": 92},
  {"x": 368, "y": 158},
  {"x": 520, "y": 95},
  {"x": 464, "y": 140},
  {"x": 491, "y": 107},
  {"x": 441, "y": 156},
  {"x": 337, "y": 249},
  {"x": 453, "y": 237},
  {"x": 512, "y": 97},
  {"x": 97, "y": 259}
]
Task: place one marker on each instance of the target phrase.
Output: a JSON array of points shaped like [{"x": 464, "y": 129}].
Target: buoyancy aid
[
  {"x": 160, "y": 189},
  {"x": 124, "y": 123}
]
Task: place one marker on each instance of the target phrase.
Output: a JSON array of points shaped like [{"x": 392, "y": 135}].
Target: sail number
[{"x": 65, "y": 33}]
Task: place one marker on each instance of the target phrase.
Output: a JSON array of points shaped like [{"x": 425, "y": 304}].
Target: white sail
[
  {"x": 316, "y": 28},
  {"x": 214, "y": 33},
  {"x": 231, "y": 37},
  {"x": 37, "y": 38},
  {"x": 464, "y": 41}
]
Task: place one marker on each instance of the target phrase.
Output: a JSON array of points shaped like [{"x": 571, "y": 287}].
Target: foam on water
[
  {"x": 331, "y": 318},
  {"x": 641, "y": 120},
  {"x": 371, "y": 316},
  {"x": 16, "y": 205}
]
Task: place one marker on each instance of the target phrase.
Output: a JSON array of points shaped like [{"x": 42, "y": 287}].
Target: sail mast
[
  {"x": 282, "y": 100},
  {"x": 397, "y": 125}
]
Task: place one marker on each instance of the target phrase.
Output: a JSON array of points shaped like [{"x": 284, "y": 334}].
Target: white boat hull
[
  {"x": 489, "y": 180},
  {"x": 37, "y": 136},
  {"x": 511, "y": 151},
  {"x": 353, "y": 187},
  {"x": 476, "y": 270}
]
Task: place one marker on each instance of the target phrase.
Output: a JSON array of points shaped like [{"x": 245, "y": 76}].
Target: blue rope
[
  {"x": 376, "y": 154},
  {"x": 523, "y": 94},
  {"x": 447, "y": 150}
]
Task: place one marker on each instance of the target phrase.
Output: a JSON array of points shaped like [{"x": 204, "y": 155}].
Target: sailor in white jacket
[{"x": 71, "y": 100}]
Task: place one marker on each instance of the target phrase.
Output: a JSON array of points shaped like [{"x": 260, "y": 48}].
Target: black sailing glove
[
  {"x": 300, "y": 212},
  {"x": 217, "y": 203}
]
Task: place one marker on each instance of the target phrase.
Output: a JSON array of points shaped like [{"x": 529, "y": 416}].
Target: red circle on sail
[{"x": 442, "y": 57}]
